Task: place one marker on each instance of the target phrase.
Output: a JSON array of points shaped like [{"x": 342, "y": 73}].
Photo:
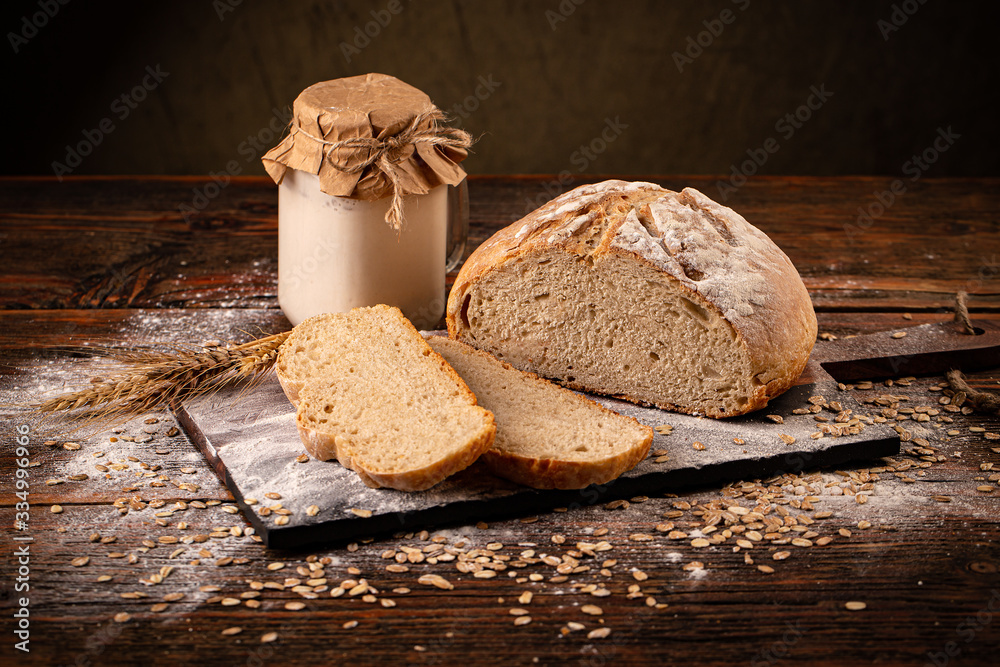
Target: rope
[
  {"x": 982, "y": 401},
  {"x": 962, "y": 313}
]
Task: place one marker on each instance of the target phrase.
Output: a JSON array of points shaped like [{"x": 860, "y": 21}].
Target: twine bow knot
[{"x": 386, "y": 154}]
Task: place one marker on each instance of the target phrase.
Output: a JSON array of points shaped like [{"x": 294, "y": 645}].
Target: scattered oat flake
[
  {"x": 364, "y": 514},
  {"x": 599, "y": 633},
  {"x": 781, "y": 555},
  {"x": 235, "y": 630},
  {"x": 855, "y": 605},
  {"x": 122, "y": 617},
  {"x": 56, "y": 509},
  {"x": 295, "y": 606},
  {"x": 80, "y": 562},
  {"x": 591, "y": 609},
  {"x": 436, "y": 580},
  {"x": 766, "y": 569},
  {"x": 899, "y": 334},
  {"x": 350, "y": 625},
  {"x": 268, "y": 637},
  {"x": 787, "y": 439},
  {"x": 522, "y": 620}
]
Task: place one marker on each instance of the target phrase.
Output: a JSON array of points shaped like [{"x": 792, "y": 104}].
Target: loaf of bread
[
  {"x": 370, "y": 392},
  {"x": 631, "y": 290},
  {"x": 547, "y": 437}
]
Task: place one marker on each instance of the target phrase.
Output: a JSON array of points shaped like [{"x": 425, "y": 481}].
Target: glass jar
[
  {"x": 337, "y": 253},
  {"x": 372, "y": 200}
]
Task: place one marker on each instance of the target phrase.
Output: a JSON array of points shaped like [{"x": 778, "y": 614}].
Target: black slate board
[{"x": 251, "y": 440}]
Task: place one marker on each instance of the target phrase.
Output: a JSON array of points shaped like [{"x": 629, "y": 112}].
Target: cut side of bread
[
  {"x": 547, "y": 437},
  {"x": 371, "y": 393},
  {"x": 631, "y": 290}
]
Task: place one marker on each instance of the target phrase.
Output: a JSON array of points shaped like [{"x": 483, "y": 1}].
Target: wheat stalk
[{"x": 147, "y": 379}]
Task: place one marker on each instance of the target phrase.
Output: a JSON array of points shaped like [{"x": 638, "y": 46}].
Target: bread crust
[
  {"x": 559, "y": 474},
  {"x": 722, "y": 263},
  {"x": 324, "y": 446}
]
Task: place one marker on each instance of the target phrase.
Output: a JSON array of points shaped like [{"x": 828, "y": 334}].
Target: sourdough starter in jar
[{"x": 337, "y": 253}]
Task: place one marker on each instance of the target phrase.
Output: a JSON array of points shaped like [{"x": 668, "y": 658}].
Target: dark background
[{"x": 564, "y": 68}]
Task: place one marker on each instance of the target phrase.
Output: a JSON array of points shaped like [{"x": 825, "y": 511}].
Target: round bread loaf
[{"x": 635, "y": 291}]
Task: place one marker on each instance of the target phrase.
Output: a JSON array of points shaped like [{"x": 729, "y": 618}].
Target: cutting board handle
[{"x": 922, "y": 350}]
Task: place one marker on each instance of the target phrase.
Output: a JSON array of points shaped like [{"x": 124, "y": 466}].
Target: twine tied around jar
[{"x": 386, "y": 154}]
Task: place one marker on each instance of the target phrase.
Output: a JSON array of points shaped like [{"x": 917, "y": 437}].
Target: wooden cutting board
[{"x": 252, "y": 443}]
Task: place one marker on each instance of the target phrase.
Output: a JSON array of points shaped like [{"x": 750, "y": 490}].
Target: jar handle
[{"x": 458, "y": 225}]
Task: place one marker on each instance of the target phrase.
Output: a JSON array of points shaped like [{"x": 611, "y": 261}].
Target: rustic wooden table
[{"x": 124, "y": 575}]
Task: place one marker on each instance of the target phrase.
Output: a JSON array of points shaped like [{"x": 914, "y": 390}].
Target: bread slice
[
  {"x": 371, "y": 393},
  {"x": 547, "y": 437},
  {"x": 631, "y": 290}
]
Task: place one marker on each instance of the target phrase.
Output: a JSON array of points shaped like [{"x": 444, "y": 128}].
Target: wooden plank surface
[
  {"x": 80, "y": 252},
  {"x": 112, "y": 243}
]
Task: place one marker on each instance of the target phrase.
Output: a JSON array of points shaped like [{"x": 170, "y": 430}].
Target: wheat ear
[{"x": 153, "y": 379}]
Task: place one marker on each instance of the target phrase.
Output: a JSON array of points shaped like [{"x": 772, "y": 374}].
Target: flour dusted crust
[{"x": 720, "y": 263}]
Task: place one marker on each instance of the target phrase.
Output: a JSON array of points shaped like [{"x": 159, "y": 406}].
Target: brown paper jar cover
[{"x": 382, "y": 114}]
